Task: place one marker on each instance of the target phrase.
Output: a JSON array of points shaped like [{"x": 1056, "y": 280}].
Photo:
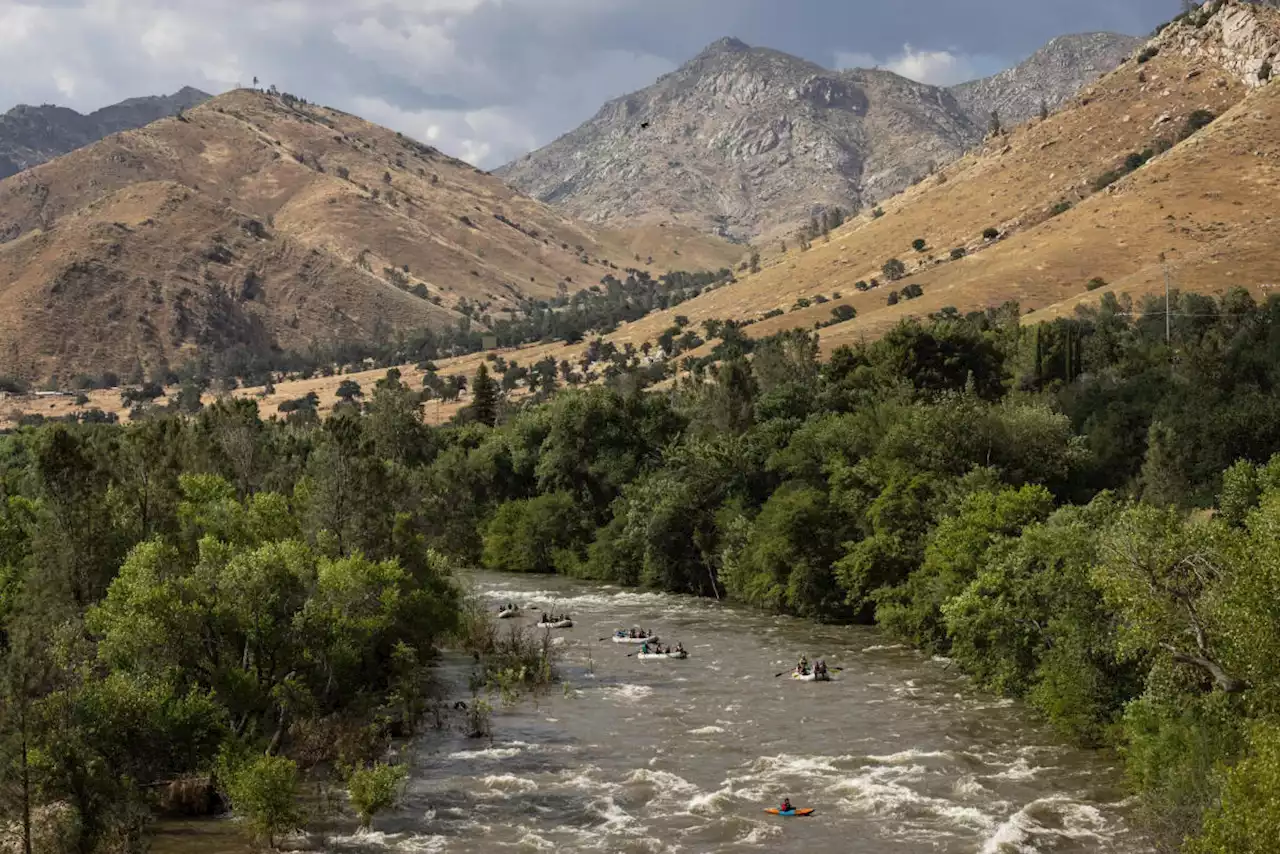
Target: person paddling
[{"x": 786, "y": 805}]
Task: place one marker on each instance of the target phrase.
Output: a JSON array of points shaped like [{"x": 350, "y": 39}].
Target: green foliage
[
  {"x": 990, "y": 233},
  {"x": 1247, "y": 818},
  {"x": 484, "y": 397},
  {"x": 958, "y": 252},
  {"x": 375, "y": 789},
  {"x": 919, "y": 244},
  {"x": 893, "y": 269},
  {"x": 532, "y": 535},
  {"x": 265, "y": 792}
]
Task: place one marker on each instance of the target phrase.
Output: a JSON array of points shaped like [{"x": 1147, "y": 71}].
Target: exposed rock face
[
  {"x": 1239, "y": 37},
  {"x": 1050, "y": 77},
  {"x": 30, "y": 135},
  {"x": 747, "y": 141}
]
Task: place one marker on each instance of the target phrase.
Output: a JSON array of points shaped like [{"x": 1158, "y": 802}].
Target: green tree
[
  {"x": 375, "y": 789},
  {"x": 348, "y": 391},
  {"x": 265, "y": 791},
  {"x": 532, "y": 535},
  {"x": 484, "y": 397},
  {"x": 893, "y": 269}
]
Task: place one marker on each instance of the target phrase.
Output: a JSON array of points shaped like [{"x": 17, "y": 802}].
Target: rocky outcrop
[
  {"x": 1047, "y": 79},
  {"x": 745, "y": 141},
  {"x": 30, "y": 135},
  {"x": 1241, "y": 38}
]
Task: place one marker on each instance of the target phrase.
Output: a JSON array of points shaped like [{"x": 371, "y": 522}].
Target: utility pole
[{"x": 1168, "y": 309}]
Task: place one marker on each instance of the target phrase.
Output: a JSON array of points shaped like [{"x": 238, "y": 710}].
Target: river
[{"x": 896, "y": 754}]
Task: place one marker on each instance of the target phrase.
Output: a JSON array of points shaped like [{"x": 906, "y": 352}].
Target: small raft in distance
[
  {"x": 562, "y": 624},
  {"x": 625, "y": 639},
  {"x": 672, "y": 655},
  {"x": 810, "y": 677},
  {"x": 508, "y": 613}
]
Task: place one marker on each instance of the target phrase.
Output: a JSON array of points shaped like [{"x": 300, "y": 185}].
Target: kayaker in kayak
[{"x": 786, "y": 805}]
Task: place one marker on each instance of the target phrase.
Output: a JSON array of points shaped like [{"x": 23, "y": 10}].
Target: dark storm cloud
[{"x": 488, "y": 79}]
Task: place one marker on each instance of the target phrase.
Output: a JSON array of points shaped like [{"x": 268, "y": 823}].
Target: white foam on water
[
  {"x": 491, "y": 754},
  {"x": 425, "y": 844},
  {"x": 627, "y": 692},
  {"x": 1020, "y": 770},
  {"x": 883, "y": 647},
  {"x": 1018, "y": 833},
  {"x": 760, "y": 834},
  {"x": 664, "y": 780},
  {"x": 613, "y": 817},
  {"x": 533, "y": 842},
  {"x": 706, "y": 730},
  {"x": 912, "y": 755},
  {"x": 508, "y": 783},
  {"x": 969, "y": 787}
]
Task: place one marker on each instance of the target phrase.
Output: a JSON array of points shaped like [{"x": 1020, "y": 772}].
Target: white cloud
[
  {"x": 935, "y": 67},
  {"x": 486, "y": 79}
]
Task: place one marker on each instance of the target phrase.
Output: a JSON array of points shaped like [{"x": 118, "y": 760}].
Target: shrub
[
  {"x": 1148, "y": 54},
  {"x": 264, "y": 791},
  {"x": 1196, "y": 121},
  {"x": 843, "y": 313},
  {"x": 12, "y": 385},
  {"x": 343, "y": 172},
  {"x": 893, "y": 298},
  {"x": 1060, "y": 208},
  {"x": 958, "y": 253},
  {"x": 1106, "y": 179},
  {"x": 374, "y": 790},
  {"x": 894, "y": 269},
  {"x": 1134, "y": 161},
  {"x": 861, "y": 286},
  {"x": 877, "y": 213},
  {"x": 919, "y": 244},
  {"x": 803, "y": 302},
  {"x": 1095, "y": 283},
  {"x": 912, "y": 291},
  {"x": 990, "y": 233}
]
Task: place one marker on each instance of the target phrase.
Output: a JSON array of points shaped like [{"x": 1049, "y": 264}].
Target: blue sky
[{"x": 487, "y": 80}]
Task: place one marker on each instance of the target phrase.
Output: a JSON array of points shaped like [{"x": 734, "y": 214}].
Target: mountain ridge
[
  {"x": 258, "y": 225},
  {"x": 746, "y": 142},
  {"x": 31, "y": 135}
]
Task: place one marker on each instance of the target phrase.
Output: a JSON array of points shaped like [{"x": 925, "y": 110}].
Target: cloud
[
  {"x": 488, "y": 79},
  {"x": 935, "y": 67}
]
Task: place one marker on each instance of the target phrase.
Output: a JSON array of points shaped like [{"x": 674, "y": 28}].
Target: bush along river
[{"x": 896, "y": 753}]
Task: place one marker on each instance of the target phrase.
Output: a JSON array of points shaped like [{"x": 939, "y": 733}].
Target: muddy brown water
[{"x": 897, "y": 754}]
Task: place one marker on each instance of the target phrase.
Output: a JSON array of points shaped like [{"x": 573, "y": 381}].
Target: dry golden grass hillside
[
  {"x": 1207, "y": 203},
  {"x": 262, "y": 223}
]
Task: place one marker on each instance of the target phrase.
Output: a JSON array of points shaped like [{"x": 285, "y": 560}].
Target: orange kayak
[{"x": 805, "y": 811}]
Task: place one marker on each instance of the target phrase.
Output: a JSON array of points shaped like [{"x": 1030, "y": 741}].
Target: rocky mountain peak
[{"x": 747, "y": 141}]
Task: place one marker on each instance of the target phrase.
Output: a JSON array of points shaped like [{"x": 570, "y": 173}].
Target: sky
[{"x": 488, "y": 80}]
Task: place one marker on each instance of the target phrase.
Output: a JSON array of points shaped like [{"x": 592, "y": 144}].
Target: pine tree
[{"x": 484, "y": 397}]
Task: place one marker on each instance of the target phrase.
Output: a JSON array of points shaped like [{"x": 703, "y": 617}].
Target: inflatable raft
[
  {"x": 625, "y": 639},
  {"x": 563, "y": 624},
  {"x": 648, "y": 655}
]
